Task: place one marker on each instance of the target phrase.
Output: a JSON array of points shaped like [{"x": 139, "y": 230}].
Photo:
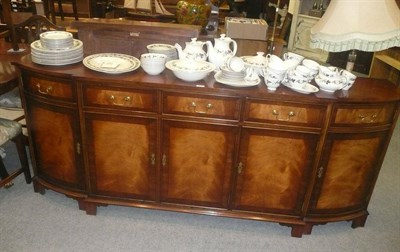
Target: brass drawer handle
[
  {"x": 125, "y": 101},
  {"x": 320, "y": 172},
  {"x": 365, "y": 117},
  {"x": 45, "y": 91},
  {"x": 289, "y": 115},
  {"x": 207, "y": 108}
]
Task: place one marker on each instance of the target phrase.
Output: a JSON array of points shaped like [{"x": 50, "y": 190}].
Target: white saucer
[
  {"x": 236, "y": 83},
  {"x": 305, "y": 88}
]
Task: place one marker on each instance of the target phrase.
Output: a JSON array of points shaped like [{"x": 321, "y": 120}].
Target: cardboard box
[{"x": 246, "y": 28}]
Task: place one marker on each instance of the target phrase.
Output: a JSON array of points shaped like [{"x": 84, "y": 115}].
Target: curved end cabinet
[{"x": 157, "y": 142}]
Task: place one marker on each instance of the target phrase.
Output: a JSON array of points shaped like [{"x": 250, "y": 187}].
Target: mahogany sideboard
[{"x": 160, "y": 143}]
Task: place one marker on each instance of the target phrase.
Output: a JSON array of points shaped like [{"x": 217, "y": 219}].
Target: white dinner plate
[
  {"x": 56, "y": 35},
  {"x": 111, "y": 63},
  {"x": 38, "y": 47},
  {"x": 236, "y": 83}
]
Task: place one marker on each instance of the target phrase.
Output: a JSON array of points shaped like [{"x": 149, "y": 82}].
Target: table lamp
[{"x": 365, "y": 25}]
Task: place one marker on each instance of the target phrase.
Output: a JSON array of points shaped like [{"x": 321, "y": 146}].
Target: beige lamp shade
[{"x": 366, "y": 25}]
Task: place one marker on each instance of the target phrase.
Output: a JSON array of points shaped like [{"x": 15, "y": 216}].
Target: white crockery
[
  {"x": 257, "y": 62},
  {"x": 152, "y": 57},
  {"x": 190, "y": 70},
  {"x": 274, "y": 59},
  {"x": 350, "y": 79},
  {"x": 290, "y": 64},
  {"x": 328, "y": 72},
  {"x": 291, "y": 55},
  {"x": 330, "y": 84},
  {"x": 272, "y": 78},
  {"x": 153, "y": 63},
  {"x": 303, "y": 71},
  {"x": 311, "y": 64},
  {"x": 236, "y": 64},
  {"x": 295, "y": 78}
]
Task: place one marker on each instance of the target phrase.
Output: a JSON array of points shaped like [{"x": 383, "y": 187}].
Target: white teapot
[
  {"x": 222, "y": 50},
  {"x": 193, "y": 50}
]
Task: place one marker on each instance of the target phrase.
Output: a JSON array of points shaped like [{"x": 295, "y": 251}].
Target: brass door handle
[{"x": 153, "y": 159}]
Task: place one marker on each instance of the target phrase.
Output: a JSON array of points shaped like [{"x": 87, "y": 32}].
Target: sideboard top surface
[{"x": 364, "y": 89}]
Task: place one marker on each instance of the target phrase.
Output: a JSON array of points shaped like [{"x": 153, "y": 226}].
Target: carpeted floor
[{"x": 52, "y": 222}]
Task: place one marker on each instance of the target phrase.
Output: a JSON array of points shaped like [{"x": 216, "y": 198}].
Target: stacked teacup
[
  {"x": 298, "y": 77},
  {"x": 330, "y": 79},
  {"x": 274, "y": 73},
  {"x": 312, "y": 65},
  {"x": 233, "y": 69}
]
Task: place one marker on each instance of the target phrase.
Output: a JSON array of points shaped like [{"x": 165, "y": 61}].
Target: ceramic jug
[
  {"x": 193, "y": 50},
  {"x": 223, "y": 49}
]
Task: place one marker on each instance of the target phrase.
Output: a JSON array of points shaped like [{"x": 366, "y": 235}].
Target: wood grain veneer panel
[
  {"x": 120, "y": 160},
  {"x": 53, "y": 137},
  {"x": 274, "y": 172},
  {"x": 199, "y": 166},
  {"x": 349, "y": 172}
]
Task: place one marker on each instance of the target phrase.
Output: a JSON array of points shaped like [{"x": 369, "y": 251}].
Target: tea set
[{"x": 199, "y": 58}]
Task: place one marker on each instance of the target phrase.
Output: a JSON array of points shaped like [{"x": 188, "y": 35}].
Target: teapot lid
[
  {"x": 195, "y": 42},
  {"x": 258, "y": 60},
  {"x": 224, "y": 37}
]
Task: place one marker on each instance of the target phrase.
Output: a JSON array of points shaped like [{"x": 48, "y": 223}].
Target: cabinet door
[
  {"x": 347, "y": 173},
  {"x": 196, "y": 165},
  {"x": 54, "y": 132},
  {"x": 121, "y": 154},
  {"x": 273, "y": 170}
]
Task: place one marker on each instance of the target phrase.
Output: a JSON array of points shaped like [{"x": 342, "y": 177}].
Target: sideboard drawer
[
  {"x": 284, "y": 113},
  {"x": 201, "y": 105},
  {"x": 356, "y": 114},
  {"x": 50, "y": 88},
  {"x": 142, "y": 100}
]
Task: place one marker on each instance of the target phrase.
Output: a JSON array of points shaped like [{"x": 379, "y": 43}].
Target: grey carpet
[{"x": 53, "y": 222}]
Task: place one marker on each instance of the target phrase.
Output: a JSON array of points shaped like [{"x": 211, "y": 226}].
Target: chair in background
[
  {"x": 26, "y": 31},
  {"x": 50, "y": 11},
  {"x": 11, "y": 130},
  {"x": 29, "y": 30}
]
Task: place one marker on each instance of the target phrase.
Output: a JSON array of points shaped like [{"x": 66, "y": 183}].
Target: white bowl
[
  {"x": 153, "y": 58},
  {"x": 190, "y": 70},
  {"x": 153, "y": 63},
  {"x": 329, "y": 84},
  {"x": 153, "y": 69}
]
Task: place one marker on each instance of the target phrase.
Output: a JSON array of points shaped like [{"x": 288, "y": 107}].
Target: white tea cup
[
  {"x": 350, "y": 79},
  {"x": 235, "y": 64}
]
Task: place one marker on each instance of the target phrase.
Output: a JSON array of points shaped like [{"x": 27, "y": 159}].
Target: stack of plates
[
  {"x": 166, "y": 49},
  {"x": 56, "y": 39},
  {"x": 235, "y": 79},
  {"x": 56, "y": 48},
  {"x": 228, "y": 74}
]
